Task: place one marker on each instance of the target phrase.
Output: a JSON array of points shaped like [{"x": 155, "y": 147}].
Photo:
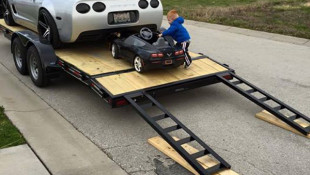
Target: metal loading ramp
[
  {"x": 176, "y": 144},
  {"x": 268, "y": 102}
]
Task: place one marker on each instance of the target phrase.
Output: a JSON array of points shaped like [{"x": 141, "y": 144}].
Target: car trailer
[{"x": 119, "y": 84}]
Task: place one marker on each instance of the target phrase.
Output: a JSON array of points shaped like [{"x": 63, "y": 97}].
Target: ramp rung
[
  {"x": 213, "y": 169},
  {"x": 293, "y": 117},
  {"x": 263, "y": 99},
  {"x": 236, "y": 82},
  {"x": 160, "y": 117},
  {"x": 172, "y": 128},
  {"x": 250, "y": 91},
  {"x": 199, "y": 154},
  {"x": 185, "y": 140},
  {"x": 146, "y": 105},
  {"x": 278, "y": 108},
  {"x": 307, "y": 129}
]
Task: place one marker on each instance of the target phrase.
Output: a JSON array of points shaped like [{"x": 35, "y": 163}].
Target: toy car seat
[{"x": 161, "y": 42}]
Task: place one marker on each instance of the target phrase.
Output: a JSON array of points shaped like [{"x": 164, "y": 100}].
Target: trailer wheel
[
  {"x": 47, "y": 28},
  {"x": 115, "y": 51},
  {"x": 20, "y": 56},
  {"x": 138, "y": 64},
  {"x": 36, "y": 71},
  {"x": 7, "y": 13}
]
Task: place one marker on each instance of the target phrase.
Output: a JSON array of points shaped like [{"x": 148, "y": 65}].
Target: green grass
[
  {"x": 9, "y": 135},
  {"x": 289, "y": 17}
]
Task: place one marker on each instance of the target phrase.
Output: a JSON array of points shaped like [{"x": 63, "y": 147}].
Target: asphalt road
[{"x": 221, "y": 117}]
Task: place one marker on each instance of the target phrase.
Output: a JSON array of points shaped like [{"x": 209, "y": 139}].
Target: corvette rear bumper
[
  {"x": 161, "y": 64},
  {"x": 75, "y": 26},
  {"x": 102, "y": 34}
]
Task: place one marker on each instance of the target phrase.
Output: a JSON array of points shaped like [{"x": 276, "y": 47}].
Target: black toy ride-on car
[{"x": 147, "y": 51}]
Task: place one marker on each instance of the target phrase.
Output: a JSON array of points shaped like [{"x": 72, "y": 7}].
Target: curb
[{"x": 60, "y": 147}]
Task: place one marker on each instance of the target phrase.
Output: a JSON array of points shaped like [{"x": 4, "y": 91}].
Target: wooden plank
[
  {"x": 12, "y": 28},
  {"x": 205, "y": 161},
  {"x": 266, "y": 116},
  {"x": 133, "y": 81},
  {"x": 92, "y": 59}
]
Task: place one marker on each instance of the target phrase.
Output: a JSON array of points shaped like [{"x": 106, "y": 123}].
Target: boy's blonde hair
[{"x": 172, "y": 14}]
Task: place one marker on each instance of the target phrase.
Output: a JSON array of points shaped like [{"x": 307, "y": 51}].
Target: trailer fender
[{"x": 45, "y": 49}]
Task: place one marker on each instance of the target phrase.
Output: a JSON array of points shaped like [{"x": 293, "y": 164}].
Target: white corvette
[{"x": 66, "y": 21}]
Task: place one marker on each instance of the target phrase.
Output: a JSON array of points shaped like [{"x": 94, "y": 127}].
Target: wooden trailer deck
[{"x": 117, "y": 76}]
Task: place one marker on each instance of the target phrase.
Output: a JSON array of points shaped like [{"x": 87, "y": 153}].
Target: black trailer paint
[{"x": 45, "y": 50}]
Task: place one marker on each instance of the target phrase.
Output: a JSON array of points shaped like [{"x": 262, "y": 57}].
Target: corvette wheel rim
[
  {"x": 34, "y": 66},
  {"x": 18, "y": 58},
  {"x": 138, "y": 64},
  {"x": 113, "y": 50},
  {"x": 45, "y": 29}
]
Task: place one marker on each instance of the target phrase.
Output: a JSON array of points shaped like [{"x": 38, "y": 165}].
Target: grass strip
[
  {"x": 9, "y": 135},
  {"x": 288, "y": 17}
]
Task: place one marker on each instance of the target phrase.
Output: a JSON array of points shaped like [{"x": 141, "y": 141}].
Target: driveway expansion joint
[
  {"x": 28, "y": 111},
  {"x": 142, "y": 171}
]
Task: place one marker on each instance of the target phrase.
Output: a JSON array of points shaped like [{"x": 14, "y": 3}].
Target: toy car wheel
[
  {"x": 115, "y": 51},
  {"x": 37, "y": 73},
  {"x": 19, "y": 55},
  {"x": 7, "y": 13},
  {"x": 47, "y": 28},
  {"x": 138, "y": 64}
]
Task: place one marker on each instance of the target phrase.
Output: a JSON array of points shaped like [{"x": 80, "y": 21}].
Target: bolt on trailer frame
[{"x": 107, "y": 86}]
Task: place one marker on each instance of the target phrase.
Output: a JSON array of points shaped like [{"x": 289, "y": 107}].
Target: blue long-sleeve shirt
[{"x": 177, "y": 31}]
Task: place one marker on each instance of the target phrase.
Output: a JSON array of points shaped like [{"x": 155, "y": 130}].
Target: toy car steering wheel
[{"x": 146, "y": 33}]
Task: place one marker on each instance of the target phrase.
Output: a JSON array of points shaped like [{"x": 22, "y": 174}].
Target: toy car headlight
[
  {"x": 143, "y": 4},
  {"x": 83, "y": 8},
  {"x": 154, "y": 3},
  {"x": 99, "y": 7}
]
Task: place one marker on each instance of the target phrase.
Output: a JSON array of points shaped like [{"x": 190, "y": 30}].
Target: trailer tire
[
  {"x": 20, "y": 56},
  {"x": 115, "y": 51},
  {"x": 36, "y": 71},
  {"x": 7, "y": 13}
]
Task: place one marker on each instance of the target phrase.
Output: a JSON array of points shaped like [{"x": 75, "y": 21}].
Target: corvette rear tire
[
  {"x": 138, "y": 64},
  {"x": 7, "y": 13},
  {"x": 36, "y": 71},
  {"x": 47, "y": 28},
  {"x": 115, "y": 51},
  {"x": 20, "y": 56}
]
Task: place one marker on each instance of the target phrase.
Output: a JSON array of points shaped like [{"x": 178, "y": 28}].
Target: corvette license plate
[
  {"x": 123, "y": 17},
  {"x": 168, "y": 62}
]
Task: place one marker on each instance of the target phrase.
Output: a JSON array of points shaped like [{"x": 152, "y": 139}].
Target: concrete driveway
[{"x": 221, "y": 117}]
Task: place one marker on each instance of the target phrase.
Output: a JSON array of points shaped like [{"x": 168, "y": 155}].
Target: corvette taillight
[
  {"x": 154, "y": 3},
  {"x": 143, "y": 4},
  {"x": 83, "y": 8},
  {"x": 180, "y": 52},
  {"x": 157, "y": 55},
  {"x": 99, "y": 7},
  {"x": 160, "y": 55}
]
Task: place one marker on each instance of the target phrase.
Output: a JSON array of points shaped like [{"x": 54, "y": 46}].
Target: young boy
[{"x": 179, "y": 33}]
